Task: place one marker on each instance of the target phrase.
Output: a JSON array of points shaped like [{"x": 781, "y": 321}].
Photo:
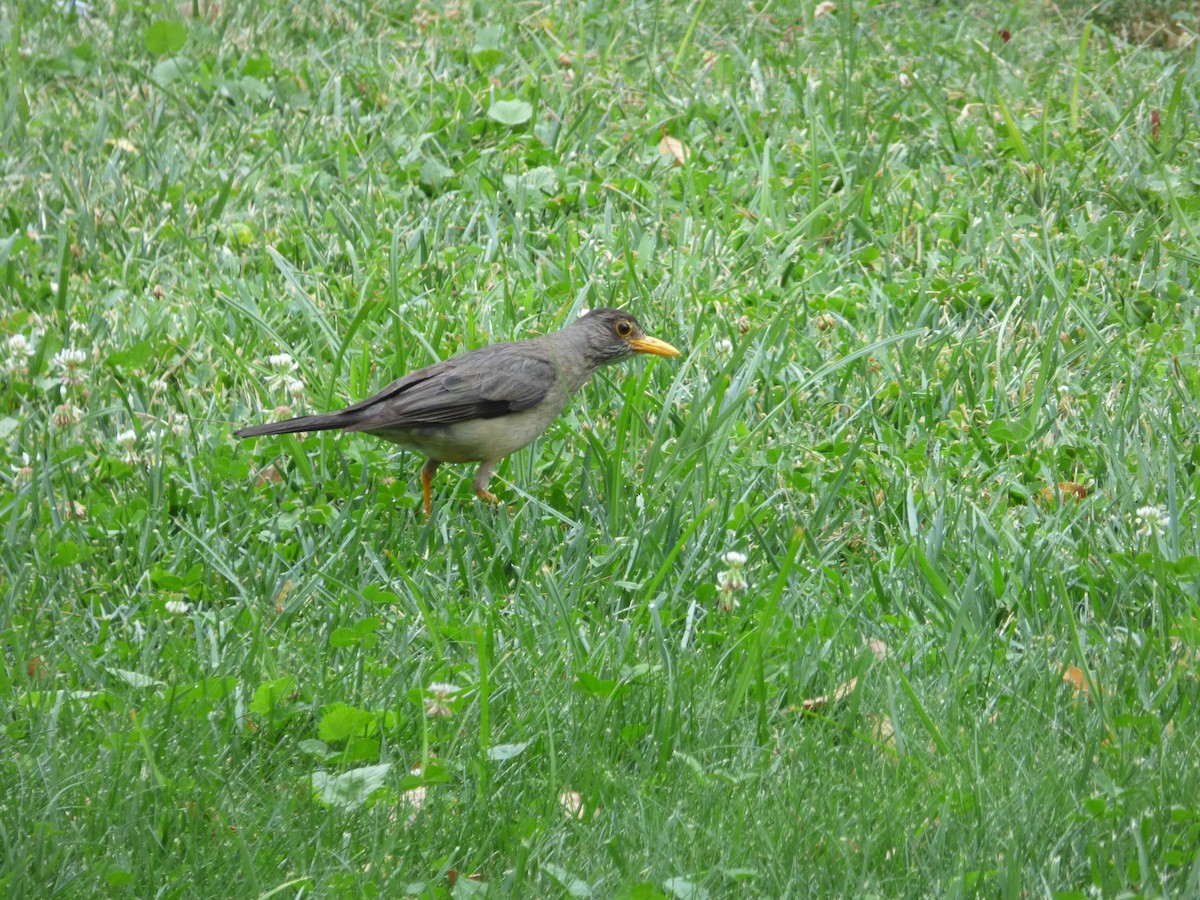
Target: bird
[{"x": 489, "y": 402}]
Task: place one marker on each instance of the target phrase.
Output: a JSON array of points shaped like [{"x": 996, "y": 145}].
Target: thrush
[{"x": 486, "y": 403}]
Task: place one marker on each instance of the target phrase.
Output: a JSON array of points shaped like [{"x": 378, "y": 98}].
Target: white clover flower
[
  {"x": 69, "y": 362},
  {"x": 906, "y": 81},
  {"x": 824, "y": 9},
  {"x": 19, "y": 349},
  {"x": 1151, "y": 520},
  {"x": 295, "y": 388},
  {"x": 724, "y": 345},
  {"x": 65, "y": 415},
  {"x": 727, "y": 603},
  {"x": 127, "y": 440},
  {"x": 177, "y": 607},
  {"x": 440, "y": 696},
  {"x": 282, "y": 366},
  {"x": 23, "y": 473},
  {"x": 731, "y": 580}
]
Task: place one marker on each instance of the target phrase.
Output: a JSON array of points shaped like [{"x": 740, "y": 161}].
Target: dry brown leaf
[
  {"x": 269, "y": 475},
  {"x": 672, "y": 147},
  {"x": 281, "y": 597},
  {"x": 812, "y": 704},
  {"x": 1068, "y": 490},
  {"x": 1073, "y": 675},
  {"x": 883, "y": 730},
  {"x": 878, "y": 647},
  {"x": 572, "y": 804}
]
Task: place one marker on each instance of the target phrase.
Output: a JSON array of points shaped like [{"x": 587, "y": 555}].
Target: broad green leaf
[
  {"x": 684, "y": 889},
  {"x": 502, "y": 752},
  {"x": 375, "y": 594},
  {"x": 117, "y": 876},
  {"x": 270, "y": 693},
  {"x": 540, "y": 178},
  {"x": 134, "y": 679},
  {"x": 135, "y": 357},
  {"x": 431, "y": 773},
  {"x": 316, "y": 748},
  {"x": 572, "y": 885},
  {"x": 510, "y": 112},
  {"x": 490, "y": 37},
  {"x": 1015, "y": 432},
  {"x": 163, "y": 37},
  {"x": 171, "y": 70},
  {"x": 341, "y": 722},
  {"x": 434, "y": 173},
  {"x": 66, "y": 553},
  {"x": 352, "y": 789},
  {"x": 606, "y": 689}
]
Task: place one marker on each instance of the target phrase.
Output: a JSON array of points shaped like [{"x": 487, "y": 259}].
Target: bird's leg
[
  {"x": 427, "y": 470},
  {"x": 481, "y": 479}
]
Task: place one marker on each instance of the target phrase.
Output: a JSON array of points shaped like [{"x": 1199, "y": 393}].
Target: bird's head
[{"x": 611, "y": 335}]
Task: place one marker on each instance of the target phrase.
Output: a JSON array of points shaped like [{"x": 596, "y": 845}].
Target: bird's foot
[{"x": 487, "y": 496}]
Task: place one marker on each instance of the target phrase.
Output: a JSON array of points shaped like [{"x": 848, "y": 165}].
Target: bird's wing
[{"x": 483, "y": 384}]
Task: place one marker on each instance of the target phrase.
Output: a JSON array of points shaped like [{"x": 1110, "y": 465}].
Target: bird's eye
[{"x": 624, "y": 329}]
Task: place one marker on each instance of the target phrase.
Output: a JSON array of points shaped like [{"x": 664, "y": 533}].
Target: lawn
[{"x": 888, "y": 586}]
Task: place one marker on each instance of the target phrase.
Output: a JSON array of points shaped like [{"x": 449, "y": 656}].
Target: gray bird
[{"x": 486, "y": 403}]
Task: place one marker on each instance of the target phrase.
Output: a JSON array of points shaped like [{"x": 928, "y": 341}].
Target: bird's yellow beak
[{"x": 653, "y": 346}]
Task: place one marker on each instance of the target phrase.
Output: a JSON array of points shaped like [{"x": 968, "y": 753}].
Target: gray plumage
[{"x": 487, "y": 403}]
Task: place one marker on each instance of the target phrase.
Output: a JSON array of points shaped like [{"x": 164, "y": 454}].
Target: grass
[{"x": 931, "y": 268}]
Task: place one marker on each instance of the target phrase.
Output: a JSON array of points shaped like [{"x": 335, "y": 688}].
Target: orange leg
[
  {"x": 427, "y": 470},
  {"x": 480, "y": 482}
]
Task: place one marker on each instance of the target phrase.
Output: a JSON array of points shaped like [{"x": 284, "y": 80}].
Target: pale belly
[{"x": 476, "y": 440}]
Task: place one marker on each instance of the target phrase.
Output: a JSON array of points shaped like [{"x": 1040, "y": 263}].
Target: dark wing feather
[{"x": 483, "y": 384}]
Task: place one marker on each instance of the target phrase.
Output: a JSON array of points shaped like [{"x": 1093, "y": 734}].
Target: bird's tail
[{"x": 291, "y": 426}]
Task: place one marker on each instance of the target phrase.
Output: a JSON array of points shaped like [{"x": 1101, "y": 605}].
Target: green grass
[{"x": 910, "y": 309}]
